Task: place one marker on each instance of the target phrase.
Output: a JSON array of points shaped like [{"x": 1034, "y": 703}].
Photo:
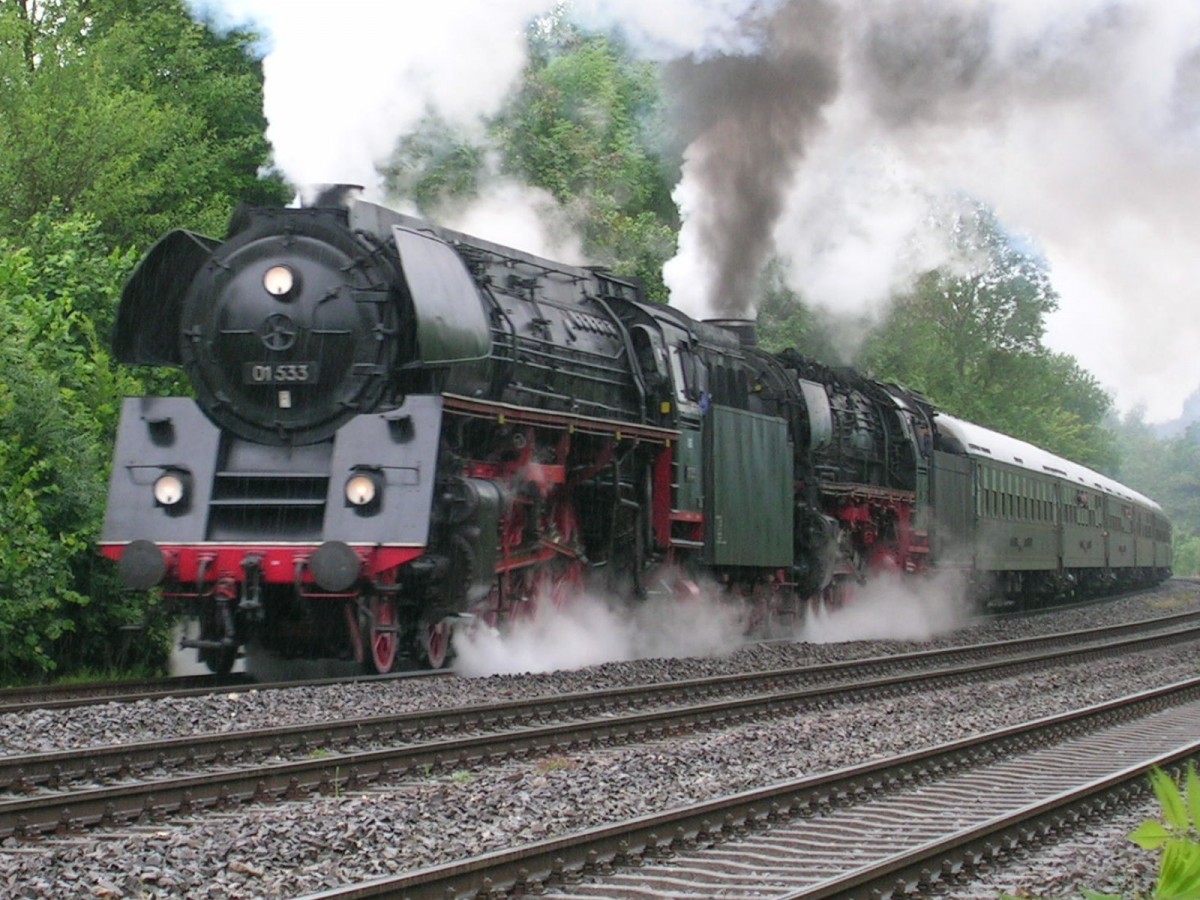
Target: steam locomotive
[{"x": 398, "y": 429}]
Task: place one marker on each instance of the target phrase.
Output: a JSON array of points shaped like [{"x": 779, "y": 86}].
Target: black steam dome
[{"x": 290, "y": 328}]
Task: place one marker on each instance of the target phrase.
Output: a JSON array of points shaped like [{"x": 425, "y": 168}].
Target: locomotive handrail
[
  {"x": 585, "y": 424},
  {"x": 866, "y": 490},
  {"x": 630, "y": 354}
]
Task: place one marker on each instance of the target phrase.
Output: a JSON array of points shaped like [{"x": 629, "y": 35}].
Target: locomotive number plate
[{"x": 280, "y": 373}]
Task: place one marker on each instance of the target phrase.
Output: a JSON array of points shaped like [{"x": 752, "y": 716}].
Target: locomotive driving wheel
[
  {"x": 382, "y": 633},
  {"x": 553, "y": 585},
  {"x": 436, "y": 649},
  {"x": 837, "y": 594}
]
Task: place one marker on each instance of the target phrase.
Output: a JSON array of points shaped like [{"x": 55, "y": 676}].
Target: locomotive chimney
[
  {"x": 332, "y": 195},
  {"x": 744, "y": 329}
]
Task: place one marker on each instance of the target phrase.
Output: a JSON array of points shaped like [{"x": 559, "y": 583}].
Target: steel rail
[
  {"x": 536, "y": 867},
  {"x": 920, "y": 870},
  {"x": 24, "y": 772},
  {"x": 63, "y": 695},
  {"x": 66, "y": 696},
  {"x": 325, "y": 771}
]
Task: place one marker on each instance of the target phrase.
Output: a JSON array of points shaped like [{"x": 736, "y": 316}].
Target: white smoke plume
[
  {"x": 1078, "y": 122},
  {"x": 892, "y": 608},
  {"x": 832, "y": 131},
  {"x": 520, "y": 216},
  {"x": 592, "y": 629}
]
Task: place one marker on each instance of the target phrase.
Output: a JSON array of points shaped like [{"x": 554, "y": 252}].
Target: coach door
[{"x": 952, "y": 535}]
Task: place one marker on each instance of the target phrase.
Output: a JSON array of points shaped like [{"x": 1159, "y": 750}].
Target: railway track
[
  {"x": 65, "y": 791},
  {"x": 904, "y": 826},
  {"x": 67, "y": 696},
  {"x": 70, "y": 696}
]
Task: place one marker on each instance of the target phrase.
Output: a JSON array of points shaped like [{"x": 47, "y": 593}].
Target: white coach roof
[{"x": 984, "y": 443}]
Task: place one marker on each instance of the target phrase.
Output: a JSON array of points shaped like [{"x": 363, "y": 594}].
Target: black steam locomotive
[{"x": 398, "y": 429}]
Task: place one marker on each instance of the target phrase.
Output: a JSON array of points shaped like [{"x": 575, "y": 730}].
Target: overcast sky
[{"x": 1077, "y": 121}]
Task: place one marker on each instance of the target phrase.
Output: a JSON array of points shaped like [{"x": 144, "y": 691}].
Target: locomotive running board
[{"x": 504, "y": 413}]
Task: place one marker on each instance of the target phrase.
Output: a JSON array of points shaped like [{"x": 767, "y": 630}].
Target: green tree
[
  {"x": 971, "y": 341},
  {"x": 118, "y": 120},
  {"x": 435, "y": 166},
  {"x": 1167, "y": 469},
  {"x": 1185, "y": 558},
  {"x": 583, "y": 125},
  {"x": 784, "y": 320},
  {"x": 131, "y": 112},
  {"x": 59, "y": 399}
]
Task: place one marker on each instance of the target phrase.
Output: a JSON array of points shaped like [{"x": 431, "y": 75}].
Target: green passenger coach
[{"x": 1037, "y": 523}]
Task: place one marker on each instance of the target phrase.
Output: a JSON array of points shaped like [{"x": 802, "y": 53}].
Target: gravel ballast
[{"x": 291, "y": 849}]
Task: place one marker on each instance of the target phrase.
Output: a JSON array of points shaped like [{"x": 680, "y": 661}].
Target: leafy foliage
[
  {"x": 131, "y": 112},
  {"x": 581, "y": 126},
  {"x": 971, "y": 341},
  {"x": 434, "y": 165},
  {"x": 785, "y": 321},
  {"x": 1167, "y": 469},
  {"x": 1176, "y": 837},
  {"x": 121, "y": 119},
  {"x": 59, "y": 396}
]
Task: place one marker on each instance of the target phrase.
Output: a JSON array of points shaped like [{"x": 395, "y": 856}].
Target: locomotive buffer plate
[{"x": 280, "y": 373}]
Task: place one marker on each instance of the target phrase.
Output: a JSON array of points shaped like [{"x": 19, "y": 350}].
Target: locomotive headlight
[
  {"x": 279, "y": 281},
  {"x": 171, "y": 489},
  {"x": 361, "y": 490}
]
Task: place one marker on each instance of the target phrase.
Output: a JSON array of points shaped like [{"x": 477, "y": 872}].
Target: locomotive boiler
[{"x": 398, "y": 430}]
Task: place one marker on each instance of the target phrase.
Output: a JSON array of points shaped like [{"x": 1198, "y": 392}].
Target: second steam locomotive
[{"x": 398, "y": 429}]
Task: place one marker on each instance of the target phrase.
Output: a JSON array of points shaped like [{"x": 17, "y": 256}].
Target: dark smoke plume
[{"x": 746, "y": 120}]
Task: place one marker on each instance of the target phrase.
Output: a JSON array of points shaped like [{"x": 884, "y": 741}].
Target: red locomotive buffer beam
[{"x": 191, "y": 570}]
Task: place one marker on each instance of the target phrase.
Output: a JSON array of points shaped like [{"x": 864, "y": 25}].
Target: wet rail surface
[{"x": 59, "y": 792}]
